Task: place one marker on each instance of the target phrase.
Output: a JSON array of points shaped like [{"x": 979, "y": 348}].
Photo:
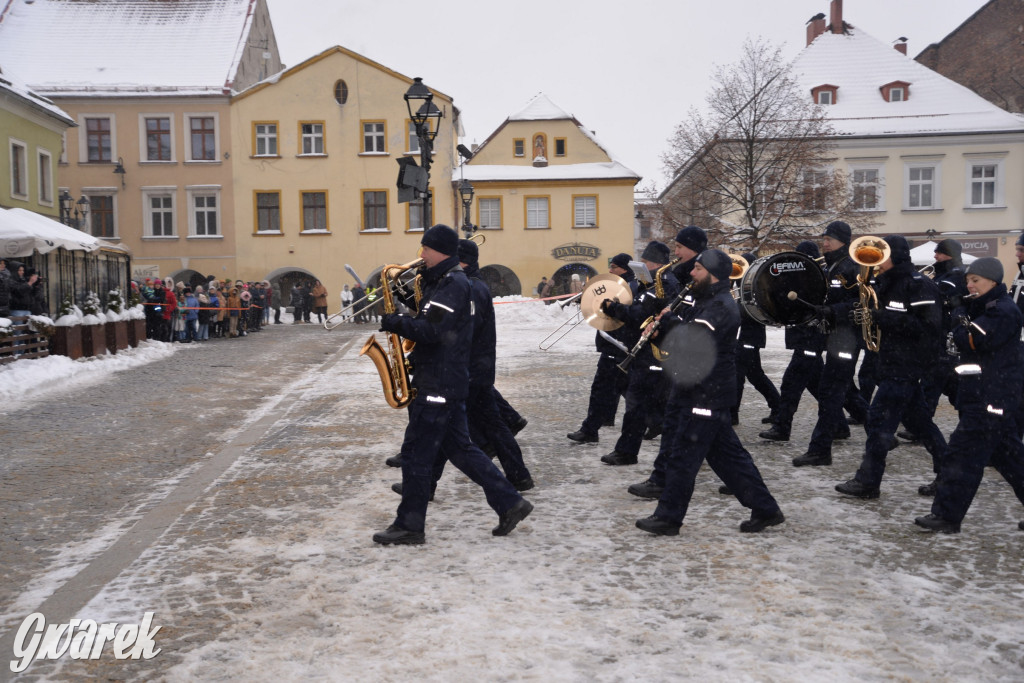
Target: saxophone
[{"x": 392, "y": 364}]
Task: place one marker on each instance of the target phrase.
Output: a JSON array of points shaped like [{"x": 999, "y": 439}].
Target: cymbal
[{"x": 599, "y": 289}]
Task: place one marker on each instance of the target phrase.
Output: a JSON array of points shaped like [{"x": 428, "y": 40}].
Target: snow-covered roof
[
  {"x": 122, "y": 47},
  {"x": 860, "y": 65},
  {"x": 592, "y": 171},
  {"x": 540, "y": 108},
  {"x": 11, "y": 84}
]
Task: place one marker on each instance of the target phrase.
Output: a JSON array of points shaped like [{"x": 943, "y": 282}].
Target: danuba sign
[{"x": 576, "y": 251}]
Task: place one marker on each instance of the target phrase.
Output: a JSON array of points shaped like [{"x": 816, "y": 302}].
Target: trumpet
[{"x": 868, "y": 252}]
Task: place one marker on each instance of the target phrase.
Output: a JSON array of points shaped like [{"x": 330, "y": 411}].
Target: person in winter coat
[
  {"x": 909, "y": 318},
  {"x": 319, "y": 295},
  {"x": 204, "y": 315},
  {"x": 443, "y": 332},
  {"x": 346, "y": 301},
  {"x": 5, "y": 289},
  {"x": 987, "y": 333},
  {"x": 234, "y": 304},
  {"x": 21, "y": 290},
  {"x": 307, "y": 301},
  {"x": 296, "y": 301},
  {"x": 191, "y": 313}
]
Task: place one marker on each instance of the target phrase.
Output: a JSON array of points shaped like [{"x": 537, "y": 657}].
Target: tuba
[
  {"x": 868, "y": 252},
  {"x": 392, "y": 365},
  {"x": 739, "y": 269}
]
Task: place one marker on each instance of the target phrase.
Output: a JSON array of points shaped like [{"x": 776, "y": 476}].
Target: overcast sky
[{"x": 628, "y": 70}]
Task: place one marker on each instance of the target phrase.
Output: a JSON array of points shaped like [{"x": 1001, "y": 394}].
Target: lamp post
[
  {"x": 466, "y": 192},
  {"x": 427, "y": 119},
  {"x": 73, "y": 213}
]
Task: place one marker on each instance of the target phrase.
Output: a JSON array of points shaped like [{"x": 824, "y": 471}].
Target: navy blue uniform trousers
[
  {"x": 483, "y": 414},
  {"x": 981, "y": 438},
  {"x": 803, "y": 372},
  {"x": 609, "y": 384},
  {"x": 698, "y": 438},
  {"x": 896, "y": 400},
  {"x": 836, "y": 378},
  {"x": 643, "y": 398},
  {"x": 435, "y": 431}
]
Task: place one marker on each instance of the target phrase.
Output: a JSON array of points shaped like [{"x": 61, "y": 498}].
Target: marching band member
[
  {"x": 443, "y": 330},
  {"x": 804, "y": 369},
  {"x": 646, "y": 382},
  {"x": 987, "y": 334},
  {"x": 706, "y": 374},
  {"x": 909, "y": 319},
  {"x": 689, "y": 243},
  {"x": 752, "y": 339},
  {"x": 842, "y": 348},
  {"x": 609, "y": 382}
]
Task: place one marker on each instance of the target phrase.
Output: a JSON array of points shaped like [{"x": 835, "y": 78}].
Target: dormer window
[
  {"x": 897, "y": 91},
  {"x": 825, "y": 94}
]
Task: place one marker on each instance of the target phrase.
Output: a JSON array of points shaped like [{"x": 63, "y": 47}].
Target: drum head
[
  {"x": 766, "y": 286},
  {"x": 598, "y": 289}
]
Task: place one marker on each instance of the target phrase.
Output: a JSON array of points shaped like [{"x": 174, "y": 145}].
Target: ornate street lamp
[
  {"x": 73, "y": 213},
  {"x": 466, "y": 192},
  {"x": 426, "y": 117}
]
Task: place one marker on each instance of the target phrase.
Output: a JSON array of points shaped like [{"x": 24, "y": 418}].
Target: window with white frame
[
  {"x": 415, "y": 212},
  {"x": 159, "y": 141},
  {"x": 985, "y": 183},
  {"x": 159, "y": 207},
  {"x": 584, "y": 212},
  {"x": 815, "y": 190},
  {"x": 203, "y": 137},
  {"x": 203, "y": 211},
  {"x": 374, "y": 134},
  {"x": 375, "y": 210},
  {"x": 265, "y": 136},
  {"x": 45, "y": 177},
  {"x": 314, "y": 211},
  {"x": 19, "y": 169},
  {"x": 489, "y": 209},
  {"x": 268, "y": 212},
  {"x": 312, "y": 135},
  {"x": 98, "y": 139},
  {"x": 866, "y": 186},
  {"x": 922, "y": 186},
  {"x": 537, "y": 213}
]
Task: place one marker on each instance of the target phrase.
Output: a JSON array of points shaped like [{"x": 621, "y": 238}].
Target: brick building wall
[{"x": 985, "y": 54}]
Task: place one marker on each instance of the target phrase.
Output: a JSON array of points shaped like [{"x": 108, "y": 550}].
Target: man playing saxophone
[{"x": 442, "y": 330}]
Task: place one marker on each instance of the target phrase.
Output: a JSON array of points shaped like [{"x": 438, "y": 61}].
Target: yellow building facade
[
  {"x": 549, "y": 199},
  {"x": 315, "y": 172}
]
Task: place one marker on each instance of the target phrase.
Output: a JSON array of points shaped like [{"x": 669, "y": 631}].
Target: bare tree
[{"x": 756, "y": 171}]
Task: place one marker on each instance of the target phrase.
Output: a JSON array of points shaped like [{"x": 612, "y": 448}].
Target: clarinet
[{"x": 652, "y": 329}]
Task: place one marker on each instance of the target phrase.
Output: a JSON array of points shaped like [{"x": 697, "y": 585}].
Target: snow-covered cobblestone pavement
[{"x": 232, "y": 488}]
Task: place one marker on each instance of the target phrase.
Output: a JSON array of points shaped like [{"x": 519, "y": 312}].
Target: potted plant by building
[
  {"x": 136, "y": 317},
  {"x": 67, "y": 330},
  {"x": 94, "y": 334},
  {"x": 116, "y": 323}
]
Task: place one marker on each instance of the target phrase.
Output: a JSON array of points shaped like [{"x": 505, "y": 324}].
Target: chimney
[
  {"x": 815, "y": 27},
  {"x": 901, "y": 45},
  {"x": 837, "y": 16}
]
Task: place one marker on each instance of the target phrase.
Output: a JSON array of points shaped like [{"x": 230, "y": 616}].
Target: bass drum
[{"x": 766, "y": 286}]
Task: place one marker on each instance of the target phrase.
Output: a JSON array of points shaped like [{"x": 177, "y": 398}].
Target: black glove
[
  {"x": 607, "y": 306},
  {"x": 823, "y": 312},
  {"x": 389, "y": 322},
  {"x": 961, "y": 321}
]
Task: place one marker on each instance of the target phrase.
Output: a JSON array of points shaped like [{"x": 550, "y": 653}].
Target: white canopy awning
[{"x": 23, "y": 232}]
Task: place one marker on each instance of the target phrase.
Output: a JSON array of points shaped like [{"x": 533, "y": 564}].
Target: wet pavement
[{"x": 233, "y": 488}]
